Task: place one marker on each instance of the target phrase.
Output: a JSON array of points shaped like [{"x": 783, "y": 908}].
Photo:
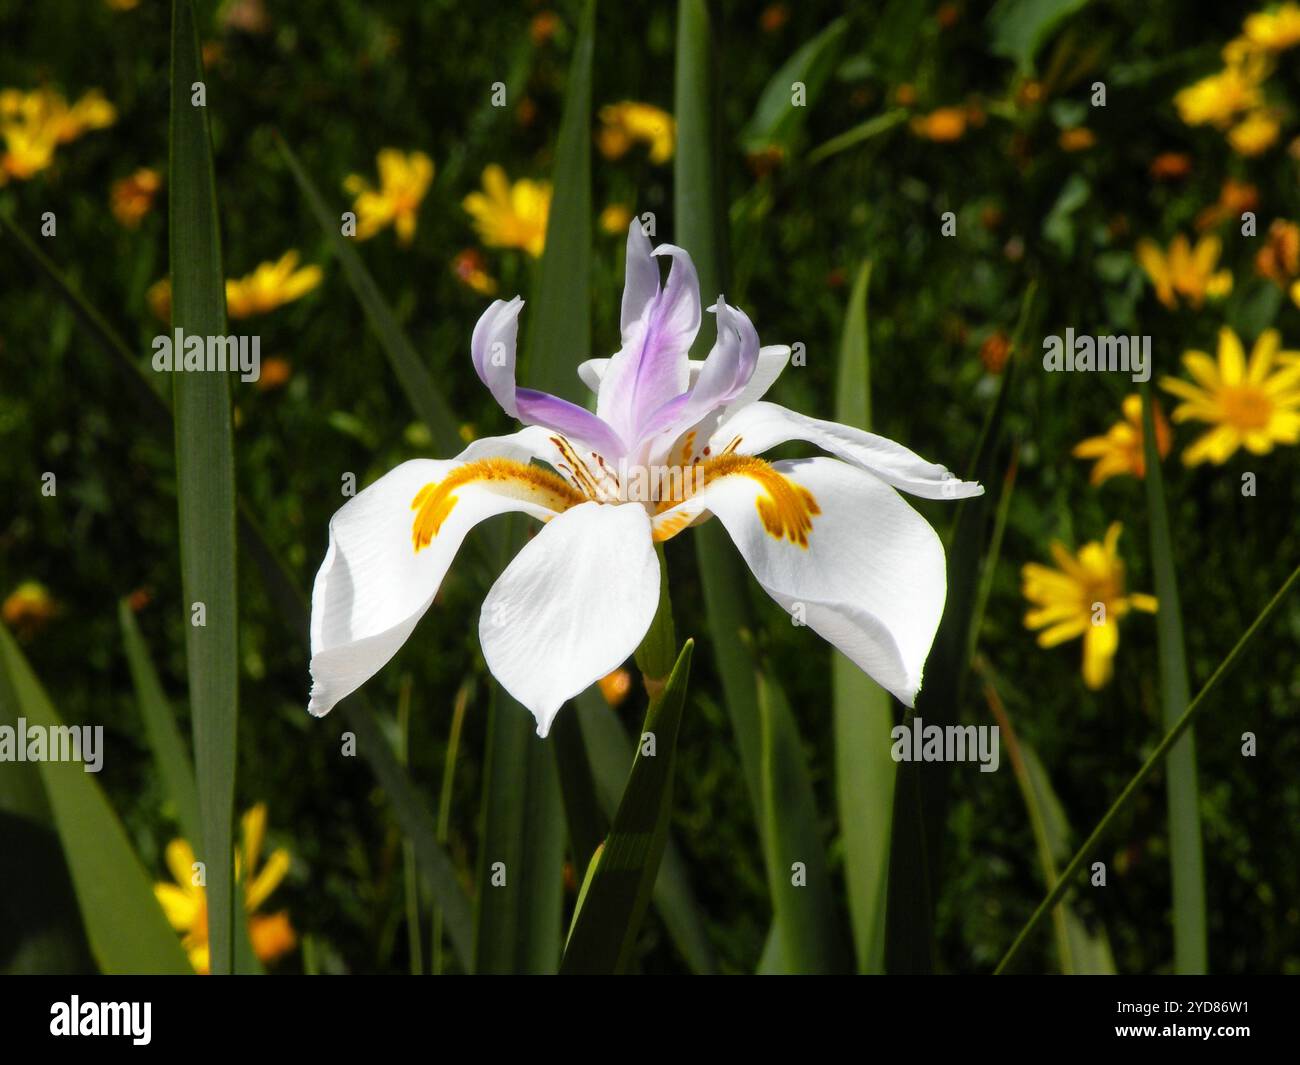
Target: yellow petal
[
  {"x": 182, "y": 908},
  {"x": 267, "y": 879},
  {"x": 1232, "y": 357},
  {"x": 1100, "y": 643}
]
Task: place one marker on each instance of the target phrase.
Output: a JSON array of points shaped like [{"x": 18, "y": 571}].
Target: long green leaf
[
  {"x": 1186, "y": 864},
  {"x": 518, "y": 921},
  {"x": 612, "y": 752},
  {"x": 40, "y": 922},
  {"x": 410, "y": 809},
  {"x": 781, "y": 113},
  {"x": 169, "y": 753},
  {"x": 862, "y": 711},
  {"x": 1019, "y": 28},
  {"x": 798, "y": 877},
  {"x": 126, "y": 927},
  {"x": 205, "y": 476},
  {"x": 622, "y": 878},
  {"x": 1077, "y": 950},
  {"x": 1194, "y": 709}
]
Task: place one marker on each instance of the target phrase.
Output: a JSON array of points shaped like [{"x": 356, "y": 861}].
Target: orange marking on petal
[
  {"x": 667, "y": 528},
  {"x": 519, "y": 480},
  {"x": 786, "y": 509}
]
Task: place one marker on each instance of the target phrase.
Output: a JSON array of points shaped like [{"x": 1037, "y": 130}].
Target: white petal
[
  {"x": 871, "y": 579},
  {"x": 772, "y": 360},
  {"x": 374, "y": 586},
  {"x": 762, "y": 426},
  {"x": 571, "y": 606},
  {"x": 592, "y": 372}
]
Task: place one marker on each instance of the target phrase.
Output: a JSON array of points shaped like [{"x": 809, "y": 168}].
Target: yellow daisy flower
[
  {"x": 626, "y": 123},
  {"x": 1084, "y": 597},
  {"x": 186, "y": 903},
  {"x": 1120, "y": 450},
  {"x": 270, "y": 286},
  {"x": 1275, "y": 30},
  {"x": 1185, "y": 271},
  {"x": 1218, "y": 99},
  {"x": 615, "y": 219},
  {"x": 510, "y": 216},
  {"x": 28, "y": 607},
  {"x": 1255, "y": 134},
  {"x": 131, "y": 198},
  {"x": 90, "y": 113},
  {"x": 34, "y": 124},
  {"x": 403, "y": 181},
  {"x": 1250, "y": 404}
]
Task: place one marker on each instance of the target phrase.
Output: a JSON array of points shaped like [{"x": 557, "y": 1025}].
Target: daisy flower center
[{"x": 1246, "y": 407}]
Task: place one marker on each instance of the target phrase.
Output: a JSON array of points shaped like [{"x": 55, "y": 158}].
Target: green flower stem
[{"x": 658, "y": 651}]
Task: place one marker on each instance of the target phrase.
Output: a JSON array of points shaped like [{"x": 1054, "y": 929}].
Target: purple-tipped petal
[
  {"x": 569, "y": 420},
  {"x": 659, "y": 326},
  {"x": 493, "y": 350},
  {"x": 640, "y": 279},
  {"x": 722, "y": 378}
]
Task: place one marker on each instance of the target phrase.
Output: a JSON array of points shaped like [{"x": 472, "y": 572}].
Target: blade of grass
[
  {"x": 410, "y": 879},
  {"x": 872, "y": 127},
  {"x": 862, "y": 711},
  {"x": 291, "y": 604},
  {"x": 1076, "y": 950},
  {"x": 623, "y": 873},
  {"x": 205, "y": 481},
  {"x": 1194, "y": 709},
  {"x": 169, "y": 751},
  {"x": 126, "y": 927},
  {"x": 1185, "y": 860},
  {"x": 414, "y": 377},
  {"x": 444, "y": 811},
  {"x": 798, "y": 875}
]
